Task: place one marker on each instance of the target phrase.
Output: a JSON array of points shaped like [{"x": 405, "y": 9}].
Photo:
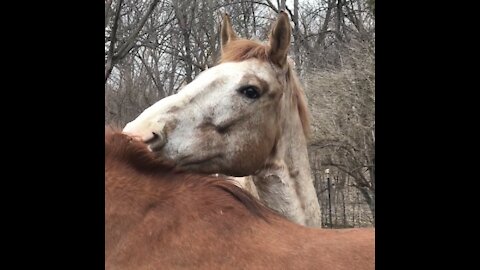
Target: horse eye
[{"x": 250, "y": 92}]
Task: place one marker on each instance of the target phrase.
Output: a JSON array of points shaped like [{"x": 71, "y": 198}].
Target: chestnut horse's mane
[{"x": 130, "y": 152}]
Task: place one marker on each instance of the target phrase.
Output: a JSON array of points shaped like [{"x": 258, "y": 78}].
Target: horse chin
[
  {"x": 207, "y": 168},
  {"x": 216, "y": 165},
  {"x": 209, "y": 165}
]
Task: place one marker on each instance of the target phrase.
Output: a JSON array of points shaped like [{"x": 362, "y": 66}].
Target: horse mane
[
  {"x": 243, "y": 49},
  {"x": 134, "y": 153},
  {"x": 126, "y": 149}
]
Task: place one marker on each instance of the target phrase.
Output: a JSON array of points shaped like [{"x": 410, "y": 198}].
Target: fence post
[{"x": 327, "y": 172}]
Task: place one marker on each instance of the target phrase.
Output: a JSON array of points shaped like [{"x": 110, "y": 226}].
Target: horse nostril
[
  {"x": 156, "y": 142},
  {"x": 152, "y": 139}
]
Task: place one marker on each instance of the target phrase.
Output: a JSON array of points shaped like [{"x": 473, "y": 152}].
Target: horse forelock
[{"x": 243, "y": 49}]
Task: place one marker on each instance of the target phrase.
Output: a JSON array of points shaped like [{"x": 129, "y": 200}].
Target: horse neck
[{"x": 285, "y": 184}]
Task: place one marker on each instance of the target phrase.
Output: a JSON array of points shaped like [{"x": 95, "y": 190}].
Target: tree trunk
[
  {"x": 344, "y": 208},
  {"x": 296, "y": 37},
  {"x": 108, "y": 69},
  {"x": 370, "y": 198}
]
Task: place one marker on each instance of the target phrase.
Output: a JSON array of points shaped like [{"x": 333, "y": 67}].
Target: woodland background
[{"x": 154, "y": 47}]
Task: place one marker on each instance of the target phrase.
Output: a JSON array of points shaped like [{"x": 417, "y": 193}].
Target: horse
[
  {"x": 159, "y": 216},
  {"x": 247, "y": 115}
]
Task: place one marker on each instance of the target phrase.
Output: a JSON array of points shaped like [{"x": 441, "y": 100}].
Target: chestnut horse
[
  {"x": 160, "y": 217},
  {"x": 246, "y": 116}
]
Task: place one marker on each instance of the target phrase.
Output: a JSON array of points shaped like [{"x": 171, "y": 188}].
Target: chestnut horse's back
[{"x": 159, "y": 217}]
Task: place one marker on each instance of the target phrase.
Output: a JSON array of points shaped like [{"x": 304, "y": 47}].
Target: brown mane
[
  {"x": 243, "y": 49},
  {"x": 130, "y": 152}
]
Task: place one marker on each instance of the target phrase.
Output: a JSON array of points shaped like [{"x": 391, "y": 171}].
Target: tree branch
[
  {"x": 113, "y": 39},
  {"x": 128, "y": 45},
  {"x": 150, "y": 73},
  {"x": 272, "y": 6}
]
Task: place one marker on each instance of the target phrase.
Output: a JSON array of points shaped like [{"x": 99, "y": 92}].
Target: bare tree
[{"x": 119, "y": 48}]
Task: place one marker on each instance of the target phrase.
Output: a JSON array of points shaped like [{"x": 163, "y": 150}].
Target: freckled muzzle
[{"x": 151, "y": 134}]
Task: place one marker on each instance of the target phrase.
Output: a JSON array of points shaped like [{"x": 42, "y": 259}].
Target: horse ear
[
  {"x": 227, "y": 33},
  {"x": 280, "y": 39}
]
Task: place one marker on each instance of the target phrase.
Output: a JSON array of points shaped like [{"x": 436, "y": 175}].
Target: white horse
[{"x": 245, "y": 116}]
